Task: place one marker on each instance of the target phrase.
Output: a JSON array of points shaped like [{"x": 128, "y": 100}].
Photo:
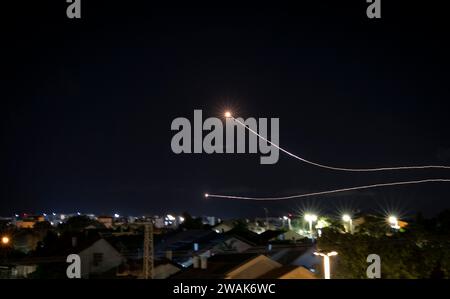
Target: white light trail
[
  {"x": 327, "y": 192},
  {"x": 332, "y": 167}
]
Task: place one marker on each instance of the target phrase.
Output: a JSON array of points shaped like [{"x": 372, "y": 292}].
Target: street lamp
[
  {"x": 393, "y": 221},
  {"x": 227, "y": 114},
  {"x": 347, "y": 218},
  {"x": 310, "y": 218},
  {"x": 326, "y": 262}
]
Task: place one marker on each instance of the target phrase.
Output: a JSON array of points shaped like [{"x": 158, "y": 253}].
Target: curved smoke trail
[
  {"x": 338, "y": 168},
  {"x": 325, "y": 192}
]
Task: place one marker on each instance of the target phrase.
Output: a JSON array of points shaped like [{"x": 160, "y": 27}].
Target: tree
[
  {"x": 42, "y": 226},
  {"x": 418, "y": 252}
]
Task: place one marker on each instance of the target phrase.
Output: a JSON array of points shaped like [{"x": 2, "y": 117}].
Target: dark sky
[{"x": 87, "y": 104}]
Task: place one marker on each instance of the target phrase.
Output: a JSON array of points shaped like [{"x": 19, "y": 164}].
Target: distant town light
[
  {"x": 346, "y": 218},
  {"x": 181, "y": 219},
  {"x": 170, "y": 217},
  {"x": 5, "y": 240},
  {"x": 116, "y": 215}
]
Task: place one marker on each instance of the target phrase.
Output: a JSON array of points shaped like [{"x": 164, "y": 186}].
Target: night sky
[{"x": 87, "y": 104}]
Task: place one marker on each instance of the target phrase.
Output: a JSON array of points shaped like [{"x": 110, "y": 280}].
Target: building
[
  {"x": 289, "y": 272},
  {"x": 16, "y": 271},
  {"x": 28, "y": 221},
  {"x": 289, "y": 235},
  {"x": 107, "y": 221},
  {"x": 231, "y": 244},
  {"x": 97, "y": 255},
  {"x": 224, "y": 226},
  {"x": 163, "y": 268},
  {"x": 230, "y": 266}
]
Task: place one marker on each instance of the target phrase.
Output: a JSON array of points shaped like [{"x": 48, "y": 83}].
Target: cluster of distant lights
[
  {"x": 115, "y": 215},
  {"x": 346, "y": 218},
  {"x": 170, "y": 219}
]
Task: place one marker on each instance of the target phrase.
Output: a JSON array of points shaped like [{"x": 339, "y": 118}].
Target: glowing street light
[
  {"x": 326, "y": 262},
  {"x": 206, "y": 195},
  {"x": 393, "y": 221},
  {"x": 227, "y": 114},
  {"x": 5, "y": 240},
  {"x": 347, "y": 218},
  {"x": 310, "y": 218}
]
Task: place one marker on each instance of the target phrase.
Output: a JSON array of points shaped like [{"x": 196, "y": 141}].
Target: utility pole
[{"x": 148, "y": 251}]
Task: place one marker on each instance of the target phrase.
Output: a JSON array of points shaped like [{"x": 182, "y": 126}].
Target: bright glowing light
[
  {"x": 310, "y": 217},
  {"x": 329, "y": 191},
  {"x": 170, "y": 217},
  {"x": 206, "y": 194},
  {"x": 326, "y": 262},
  {"x": 285, "y": 218},
  {"x": 5, "y": 240},
  {"x": 321, "y": 223},
  {"x": 348, "y": 219},
  {"x": 393, "y": 221},
  {"x": 116, "y": 215},
  {"x": 227, "y": 114},
  {"x": 181, "y": 219},
  {"x": 338, "y": 168}
]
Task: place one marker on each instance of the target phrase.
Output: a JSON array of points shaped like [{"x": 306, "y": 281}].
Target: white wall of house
[{"x": 98, "y": 258}]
